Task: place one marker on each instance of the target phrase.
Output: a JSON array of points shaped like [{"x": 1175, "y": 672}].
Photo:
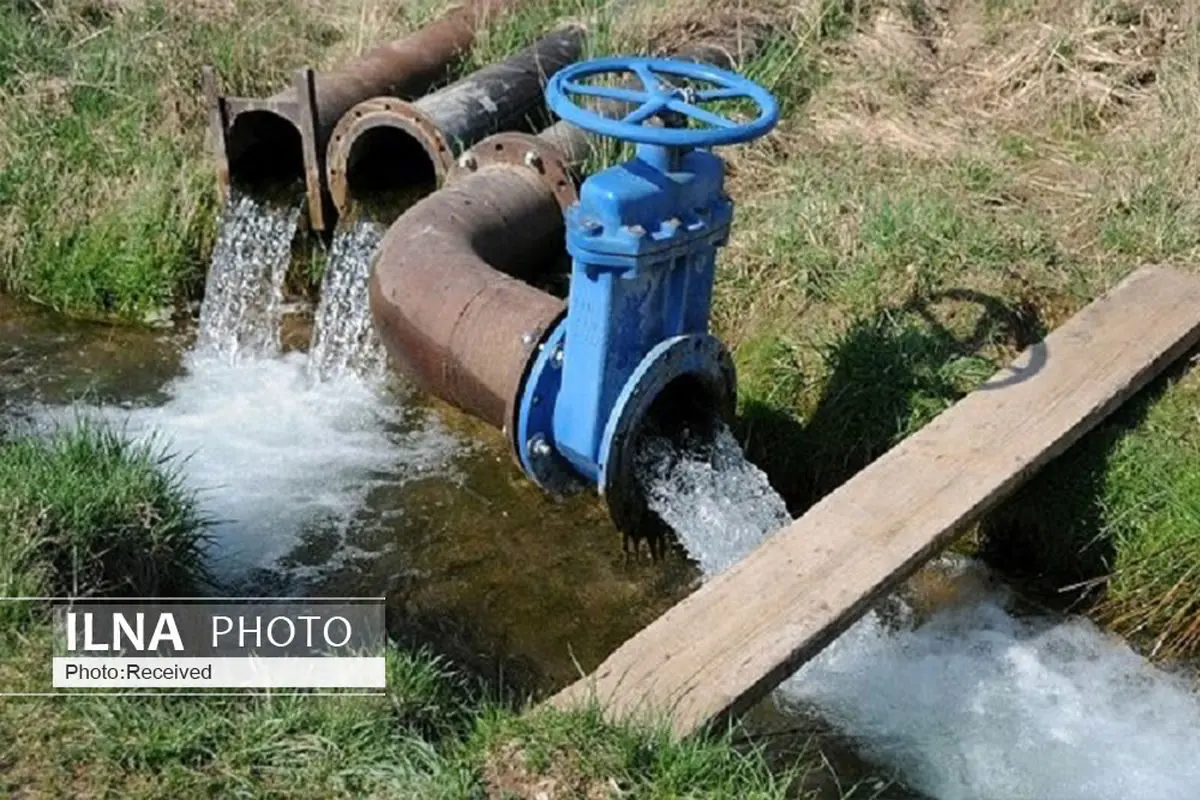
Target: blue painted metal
[
  {"x": 658, "y": 96},
  {"x": 643, "y": 237}
]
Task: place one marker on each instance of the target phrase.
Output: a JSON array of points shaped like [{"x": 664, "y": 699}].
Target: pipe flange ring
[
  {"x": 513, "y": 149},
  {"x": 380, "y": 112},
  {"x": 701, "y": 357}
]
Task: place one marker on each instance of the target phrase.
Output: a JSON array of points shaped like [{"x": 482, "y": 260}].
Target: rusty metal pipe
[
  {"x": 446, "y": 290},
  {"x": 386, "y": 145},
  {"x": 283, "y": 138},
  {"x": 559, "y": 152}
]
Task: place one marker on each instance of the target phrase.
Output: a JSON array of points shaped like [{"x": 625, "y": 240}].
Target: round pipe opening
[
  {"x": 682, "y": 419},
  {"x": 685, "y": 413},
  {"x": 266, "y": 154},
  {"x": 387, "y": 168}
]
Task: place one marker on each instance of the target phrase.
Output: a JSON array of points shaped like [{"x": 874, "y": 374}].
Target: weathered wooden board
[{"x": 737, "y": 637}]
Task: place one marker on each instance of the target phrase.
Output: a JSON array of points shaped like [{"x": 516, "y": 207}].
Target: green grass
[
  {"x": 1118, "y": 518},
  {"x": 1151, "y": 514},
  {"x": 433, "y": 735},
  {"x": 85, "y": 509},
  {"x": 584, "y": 756}
]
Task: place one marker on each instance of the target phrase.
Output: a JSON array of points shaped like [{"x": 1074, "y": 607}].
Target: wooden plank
[{"x": 741, "y": 634}]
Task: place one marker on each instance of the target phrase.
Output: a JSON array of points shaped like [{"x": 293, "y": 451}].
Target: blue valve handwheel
[{"x": 655, "y": 97}]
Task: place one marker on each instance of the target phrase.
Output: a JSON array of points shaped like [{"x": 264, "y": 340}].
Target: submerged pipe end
[{"x": 383, "y": 148}]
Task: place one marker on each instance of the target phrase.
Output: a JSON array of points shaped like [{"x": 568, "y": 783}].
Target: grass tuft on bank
[{"x": 84, "y": 509}]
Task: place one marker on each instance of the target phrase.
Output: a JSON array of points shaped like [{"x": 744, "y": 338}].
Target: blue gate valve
[{"x": 643, "y": 238}]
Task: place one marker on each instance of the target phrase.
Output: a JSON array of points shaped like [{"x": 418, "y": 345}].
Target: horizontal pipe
[
  {"x": 284, "y": 137},
  {"x": 386, "y": 145},
  {"x": 446, "y": 290}
]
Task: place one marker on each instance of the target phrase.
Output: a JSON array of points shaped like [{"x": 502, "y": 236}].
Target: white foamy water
[
  {"x": 974, "y": 702},
  {"x": 344, "y": 340},
  {"x": 274, "y": 455},
  {"x": 719, "y": 504},
  {"x": 242, "y": 309},
  {"x": 979, "y": 703}
]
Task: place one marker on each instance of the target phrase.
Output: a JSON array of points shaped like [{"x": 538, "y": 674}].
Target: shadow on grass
[
  {"x": 888, "y": 375},
  {"x": 1053, "y": 532}
]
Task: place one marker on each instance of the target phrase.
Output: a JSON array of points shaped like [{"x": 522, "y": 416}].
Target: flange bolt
[{"x": 539, "y": 447}]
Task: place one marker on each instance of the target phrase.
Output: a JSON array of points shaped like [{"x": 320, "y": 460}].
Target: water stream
[
  {"x": 960, "y": 698},
  {"x": 355, "y": 487},
  {"x": 242, "y": 309},
  {"x": 277, "y": 458},
  {"x": 344, "y": 340}
]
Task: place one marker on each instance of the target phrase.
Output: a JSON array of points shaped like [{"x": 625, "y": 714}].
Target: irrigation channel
[{"x": 327, "y": 476}]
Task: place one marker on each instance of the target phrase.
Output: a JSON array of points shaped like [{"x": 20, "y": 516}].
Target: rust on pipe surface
[
  {"x": 385, "y": 145},
  {"x": 284, "y": 137},
  {"x": 446, "y": 290}
]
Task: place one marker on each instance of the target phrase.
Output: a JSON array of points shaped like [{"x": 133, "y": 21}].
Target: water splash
[
  {"x": 719, "y": 504},
  {"x": 275, "y": 457},
  {"x": 344, "y": 340},
  {"x": 970, "y": 699},
  {"x": 980, "y": 702},
  {"x": 242, "y": 309}
]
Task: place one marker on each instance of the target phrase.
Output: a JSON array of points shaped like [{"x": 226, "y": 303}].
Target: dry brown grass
[
  {"x": 662, "y": 26},
  {"x": 936, "y": 79}
]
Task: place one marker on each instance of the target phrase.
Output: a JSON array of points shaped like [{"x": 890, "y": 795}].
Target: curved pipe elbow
[{"x": 446, "y": 293}]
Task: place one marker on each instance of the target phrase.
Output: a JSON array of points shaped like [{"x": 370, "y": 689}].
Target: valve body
[
  {"x": 633, "y": 353},
  {"x": 643, "y": 240}
]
